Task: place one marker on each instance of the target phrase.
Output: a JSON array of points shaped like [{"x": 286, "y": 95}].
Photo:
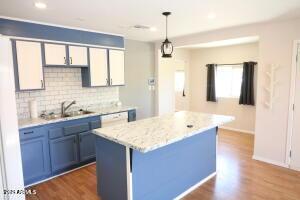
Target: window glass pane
[
  {"x": 237, "y": 74},
  {"x": 223, "y": 81},
  {"x": 179, "y": 81},
  {"x": 228, "y": 81}
]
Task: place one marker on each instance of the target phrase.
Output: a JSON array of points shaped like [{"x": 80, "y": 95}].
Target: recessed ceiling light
[
  {"x": 40, "y": 5},
  {"x": 153, "y": 29},
  {"x": 211, "y": 15}
]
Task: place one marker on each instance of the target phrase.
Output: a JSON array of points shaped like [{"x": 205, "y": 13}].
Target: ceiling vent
[{"x": 143, "y": 27}]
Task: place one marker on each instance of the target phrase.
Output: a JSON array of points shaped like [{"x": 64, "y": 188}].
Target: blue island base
[{"x": 166, "y": 173}]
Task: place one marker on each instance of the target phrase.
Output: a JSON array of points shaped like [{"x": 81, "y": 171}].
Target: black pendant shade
[{"x": 166, "y": 47}]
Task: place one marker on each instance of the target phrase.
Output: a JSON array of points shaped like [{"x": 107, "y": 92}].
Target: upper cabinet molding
[{"x": 46, "y": 32}]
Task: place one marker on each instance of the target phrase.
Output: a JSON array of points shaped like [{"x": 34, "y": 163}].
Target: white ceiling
[
  {"x": 222, "y": 43},
  {"x": 116, "y": 16}
]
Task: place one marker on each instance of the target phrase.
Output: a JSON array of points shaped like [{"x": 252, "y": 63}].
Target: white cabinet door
[
  {"x": 55, "y": 54},
  {"x": 116, "y": 67},
  {"x": 30, "y": 68},
  {"x": 98, "y": 67},
  {"x": 78, "y": 56}
]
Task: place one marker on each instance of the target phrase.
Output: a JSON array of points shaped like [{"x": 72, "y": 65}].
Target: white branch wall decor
[{"x": 270, "y": 89}]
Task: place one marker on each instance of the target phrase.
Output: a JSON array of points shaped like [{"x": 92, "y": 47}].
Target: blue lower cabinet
[
  {"x": 64, "y": 152},
  {"x": 56, "y": 148},
  {"x": 87, "y": 146},
  {"x": 35, "y": 158}
]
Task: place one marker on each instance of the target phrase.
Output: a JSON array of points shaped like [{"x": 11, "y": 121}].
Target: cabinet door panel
[
  {"x": 55, "y": 54},
  {"x": 116, "y": 67},
  {"x": 35, "y": 159},
  {"x": 63, "y": 152},
  {"x": 78, "y": 56},
  {"x": 30, "y": 68},
  {"x": 98, "y": 67},
  {"x": 87, "y": 146}
]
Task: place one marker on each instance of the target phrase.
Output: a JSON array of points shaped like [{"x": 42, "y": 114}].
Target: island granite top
[{"x": 152, "y": 133}]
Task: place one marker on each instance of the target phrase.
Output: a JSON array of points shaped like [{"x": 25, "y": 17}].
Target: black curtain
[
  {"x": 247, "y": 88},
  {"x": 211, "y": 83}
]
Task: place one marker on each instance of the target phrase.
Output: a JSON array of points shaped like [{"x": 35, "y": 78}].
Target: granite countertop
[
  {"x": 152, "y": 133},
  {"x": 27, "y": 123}
]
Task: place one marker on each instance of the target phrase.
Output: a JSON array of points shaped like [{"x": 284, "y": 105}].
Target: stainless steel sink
[
  {"x": 53, "y": 116},
  {"x": 77, "y": 113}
]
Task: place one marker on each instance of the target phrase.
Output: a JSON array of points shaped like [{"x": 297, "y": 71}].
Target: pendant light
[{"x": 166, "y": 47}]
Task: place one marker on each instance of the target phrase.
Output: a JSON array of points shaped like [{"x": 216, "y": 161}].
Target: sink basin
[
  {"x": 77, "y": 113},
  {"x": 68, "y": 114}
]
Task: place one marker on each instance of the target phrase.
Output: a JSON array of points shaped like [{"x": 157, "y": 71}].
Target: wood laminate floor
[{"x": 239, "y": 177}]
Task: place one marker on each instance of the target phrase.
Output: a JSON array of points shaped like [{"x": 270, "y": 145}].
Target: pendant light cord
[{"x": 167, "y": 27}]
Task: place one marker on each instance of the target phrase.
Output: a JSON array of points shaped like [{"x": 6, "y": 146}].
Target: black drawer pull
[{"x": 26, "y": 133}]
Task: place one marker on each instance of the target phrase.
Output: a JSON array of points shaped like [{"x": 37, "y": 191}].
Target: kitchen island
[{"x": 158, "y": 158}]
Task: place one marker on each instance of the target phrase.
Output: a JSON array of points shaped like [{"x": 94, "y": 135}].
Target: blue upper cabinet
[
  {"x": 55, "y": 54},
  {"x": 116, "y": 67},
  {"x": 61, "y": 55},
  {"x": 100, "y": 56},
  {"x": 97, "y": 73},
  {"x": 35, "y": 154},
  {"x": 28, "y": 64},
  {"x": 106, "y": 68}
]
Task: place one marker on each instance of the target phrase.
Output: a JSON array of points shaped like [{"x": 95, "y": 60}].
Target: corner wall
[
  {"x": 275, "y": 47},
  {"x": 139, "y": 67},
  {"x": 244, "y": 115}
]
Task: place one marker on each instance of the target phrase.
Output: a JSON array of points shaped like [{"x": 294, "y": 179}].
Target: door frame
[
  {"x": 296, "y": 48},
  {"x": 3, "y": 180}
]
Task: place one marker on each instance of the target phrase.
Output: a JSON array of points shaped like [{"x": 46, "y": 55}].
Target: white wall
[
  {"x": 275, "y": 47},
  {"x": 139, "y": 67},
  {"x": 165, "y": 72},
  {"x": 244, "y": 115}
]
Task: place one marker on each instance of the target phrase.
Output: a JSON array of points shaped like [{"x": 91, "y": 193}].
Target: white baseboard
[
  {"x": 47, "y": 179},
  {"x": 295, "y": 168},
  {"x": 266, "y": 160},
  {"x": 195, "y": 186},
  {"x": 237, "y": 130}
]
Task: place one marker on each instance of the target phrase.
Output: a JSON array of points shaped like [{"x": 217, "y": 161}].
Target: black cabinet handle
[
  {"x": 42, "y": 83},
  {"x": 111, "y": 81},
  {"x": 65, "y": 60},
  {"x": 71, "y": 60},
  {"x": 107, "y": 82},
  {"x": 26, "y": 133}
]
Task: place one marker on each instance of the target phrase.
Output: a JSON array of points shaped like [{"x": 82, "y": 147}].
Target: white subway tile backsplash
[{"x": 64, "y": 84}]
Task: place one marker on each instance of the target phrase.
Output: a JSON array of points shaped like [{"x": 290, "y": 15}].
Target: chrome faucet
[{"x": 65, "y": 108}]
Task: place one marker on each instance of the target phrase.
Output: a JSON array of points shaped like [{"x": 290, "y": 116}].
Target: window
[
  {"x": 229, "y": 80},
  {"x": 179, "y": 80}
]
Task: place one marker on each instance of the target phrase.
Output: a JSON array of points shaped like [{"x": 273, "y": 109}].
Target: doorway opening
[{"x": 293, "y": 135}]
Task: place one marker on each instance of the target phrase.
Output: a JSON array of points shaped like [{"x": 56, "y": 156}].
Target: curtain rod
[
  {"x": 235, "y": 63},
  {"x": 232, "y": 64}
]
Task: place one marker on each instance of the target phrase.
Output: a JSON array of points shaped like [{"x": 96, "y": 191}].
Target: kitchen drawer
[
  {"x": 56, "y": 133},
  {"x": 29, "y": 133},
  {"x": 78, "y": 128},
  {"x": 95, "y": 124}
]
